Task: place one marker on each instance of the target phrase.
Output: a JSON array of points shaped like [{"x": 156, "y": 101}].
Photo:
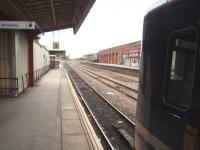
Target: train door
[{"x": 180, "y": 83}]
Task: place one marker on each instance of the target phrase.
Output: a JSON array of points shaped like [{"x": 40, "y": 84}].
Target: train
[{"x": 168, "y": 102}]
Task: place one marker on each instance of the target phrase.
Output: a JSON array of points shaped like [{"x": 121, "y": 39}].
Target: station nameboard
[{"x": 26, "y": 25}]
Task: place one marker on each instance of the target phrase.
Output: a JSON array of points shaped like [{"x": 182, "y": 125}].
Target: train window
[
  {"x": 182, "y": 47},
  {"x": 177, "y": 65}
]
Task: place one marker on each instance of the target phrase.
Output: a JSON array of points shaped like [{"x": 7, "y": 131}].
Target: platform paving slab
[
  {"x": 73, "y": 133},
  {"x": 75, "y": 142},
  {"x": 32, "y": 121}
]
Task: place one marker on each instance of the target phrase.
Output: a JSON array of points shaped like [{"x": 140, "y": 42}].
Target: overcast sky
[{"x": 109, "y": 23}]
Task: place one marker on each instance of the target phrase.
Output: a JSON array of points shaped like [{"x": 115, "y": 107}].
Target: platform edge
[{"x": 84, "y": 119}]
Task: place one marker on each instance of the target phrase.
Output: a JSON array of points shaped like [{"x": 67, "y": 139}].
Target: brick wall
[{"x": 114, "y": 55}]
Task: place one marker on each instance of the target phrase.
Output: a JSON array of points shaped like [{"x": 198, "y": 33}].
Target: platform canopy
[{"x": 49, "y": 15}]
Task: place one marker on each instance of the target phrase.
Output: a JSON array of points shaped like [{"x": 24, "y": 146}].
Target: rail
[
  {"x": 106, "y": 123},
  {"x": 115, "y": 68},
  {"x": 128, "y": 91}
]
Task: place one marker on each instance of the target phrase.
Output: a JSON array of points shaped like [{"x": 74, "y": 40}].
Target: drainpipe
[{"x": 30, "y": 61}]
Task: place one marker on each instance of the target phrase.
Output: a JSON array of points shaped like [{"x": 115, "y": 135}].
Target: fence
[
  {"x": 40, "y": 72},
  {"x": 11, "y": 87}
]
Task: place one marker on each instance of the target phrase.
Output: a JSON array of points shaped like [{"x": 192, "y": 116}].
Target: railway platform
[
  {"x": 128, "y": 70},
  {"x": 115, "y": 65},
  {"x": 47, "y": 116}
]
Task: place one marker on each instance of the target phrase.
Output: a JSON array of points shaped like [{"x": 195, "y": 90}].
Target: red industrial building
[{"x": 127, "y": 54}]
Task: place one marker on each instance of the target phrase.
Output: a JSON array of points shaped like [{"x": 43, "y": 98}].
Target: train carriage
[{"x": 169, "y": 90}]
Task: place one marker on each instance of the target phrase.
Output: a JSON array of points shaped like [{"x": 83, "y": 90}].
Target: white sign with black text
[{"x": 26, "y": 25}]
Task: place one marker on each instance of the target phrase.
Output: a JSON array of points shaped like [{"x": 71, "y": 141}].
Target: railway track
[
  {"x": 128, "y": 91},
  {"x": 132, "y": 72},
  {"x": 115, "y": 128}
]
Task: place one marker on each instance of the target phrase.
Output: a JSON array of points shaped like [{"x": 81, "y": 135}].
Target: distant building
[
  {"x": 54, "y": 62},
  {"x": 59, "y": 53},
  {"x": 127, "y": 54},
  {"x": 90, "y": 57},
  {"x": 55, "y": 56}
]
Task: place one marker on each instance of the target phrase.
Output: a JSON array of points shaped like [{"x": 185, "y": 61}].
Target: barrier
[
  {"x": 9, "y": 87},
  {"x": 12, "y": 87},
  {"x": 40, "y": 72}
]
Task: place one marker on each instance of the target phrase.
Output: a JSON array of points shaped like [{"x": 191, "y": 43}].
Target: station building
[
  {"x": 127, "y": 54},
  {"x": 92, "y": 57},
  {"x": 14, "y": 61},
  {"x": 55, "y": 56},
  {"x": 22, "y": 58},
  {"x": 59, "y": 53}
]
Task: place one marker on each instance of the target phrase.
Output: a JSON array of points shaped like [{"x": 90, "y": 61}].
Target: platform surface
[
  {"x": 42, "y": 118},
  {"x": 116, "y": 65}
]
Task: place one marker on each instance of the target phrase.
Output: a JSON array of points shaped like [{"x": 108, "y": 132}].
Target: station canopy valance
[{"x": 49, "y": 15}]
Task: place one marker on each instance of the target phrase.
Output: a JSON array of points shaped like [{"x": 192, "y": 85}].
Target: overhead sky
[{"x": 109, "y": 23}]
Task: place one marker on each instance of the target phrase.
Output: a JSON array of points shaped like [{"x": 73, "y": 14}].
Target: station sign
[{"x": 23, "y": 25}]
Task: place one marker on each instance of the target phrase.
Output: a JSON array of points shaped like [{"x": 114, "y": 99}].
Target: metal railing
[
  {"x": 40, "y": 72},
  {"x": 9, "y": 86}
]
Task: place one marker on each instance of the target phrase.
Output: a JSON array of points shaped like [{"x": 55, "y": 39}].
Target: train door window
[{"x": 182, "y": 48}]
